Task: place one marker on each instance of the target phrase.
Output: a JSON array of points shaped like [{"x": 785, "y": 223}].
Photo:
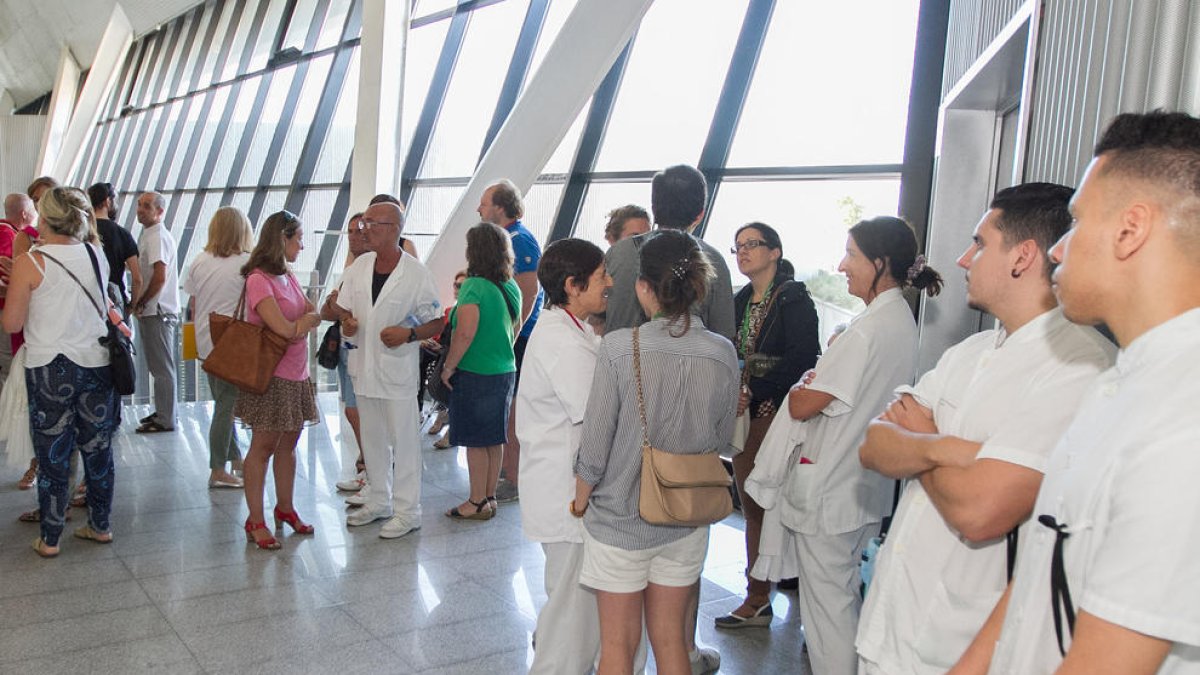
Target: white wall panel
[{"x": 20, "y": 141}]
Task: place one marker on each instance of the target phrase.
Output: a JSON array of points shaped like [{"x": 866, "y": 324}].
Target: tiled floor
[{"x": 179, "y": 591}]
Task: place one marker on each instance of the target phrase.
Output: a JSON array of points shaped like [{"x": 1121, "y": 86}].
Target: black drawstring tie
[{"x": 1060, "y": 593}]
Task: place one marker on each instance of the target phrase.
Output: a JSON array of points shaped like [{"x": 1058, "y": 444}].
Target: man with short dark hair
[
  {"x": 157, "y": 309},
  {"x": 677, "y": 198},
  {"x": 119, "y": 246},
  {"x": 973, "y": 436},
  {"x": 1106, "y": 583},
  {"x": 502, "y": 205}
]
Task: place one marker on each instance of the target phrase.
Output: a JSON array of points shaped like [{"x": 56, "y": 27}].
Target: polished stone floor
[{"x": 180, "y": 591}]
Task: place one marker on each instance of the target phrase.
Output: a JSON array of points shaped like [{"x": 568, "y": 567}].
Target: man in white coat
[
  {"x": 1107, "y": 582},
  {"x": 973, "y": 436},
  {"x": 388, "y": 304}
]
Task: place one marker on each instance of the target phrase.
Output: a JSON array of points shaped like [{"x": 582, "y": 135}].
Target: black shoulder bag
[
  {"x": 437, "y": 389},
  {"x": 120, "y": 348}
]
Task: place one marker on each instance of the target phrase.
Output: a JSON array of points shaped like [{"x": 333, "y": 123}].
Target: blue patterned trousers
[{"x": 72, "y": 407}]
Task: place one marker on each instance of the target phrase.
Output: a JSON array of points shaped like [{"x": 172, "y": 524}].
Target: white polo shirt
[
  {"x": 1015, "y": 394},
  {"x": 877, "y": 353},
  {"x": 556, "y": 379},
  {"x": 155, "y": 244},
  {"x": 1123, "y": 481}
]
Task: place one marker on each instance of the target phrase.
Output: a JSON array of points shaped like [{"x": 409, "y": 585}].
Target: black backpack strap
[{"x": 1060, "y": 591}]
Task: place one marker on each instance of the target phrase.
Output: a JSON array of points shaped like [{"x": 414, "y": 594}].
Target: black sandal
[{"x": 481, "y": 511}]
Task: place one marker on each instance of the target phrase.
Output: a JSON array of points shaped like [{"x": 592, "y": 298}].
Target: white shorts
[{"x": 616, "y": 570}]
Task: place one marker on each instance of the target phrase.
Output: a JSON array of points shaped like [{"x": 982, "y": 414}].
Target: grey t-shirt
[{"x": 716, "y": 310}]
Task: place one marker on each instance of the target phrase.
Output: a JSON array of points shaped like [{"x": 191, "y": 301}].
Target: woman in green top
[{"x": 480, "y": 366}]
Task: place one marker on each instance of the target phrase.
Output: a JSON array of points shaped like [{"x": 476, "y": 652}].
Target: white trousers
[
  {"x": 829, "y": 596},
  {"x": 568, "y": 627},
  {"x": 392, "y": 451}
]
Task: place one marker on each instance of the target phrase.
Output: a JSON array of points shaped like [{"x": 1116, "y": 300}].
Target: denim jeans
[{"x": 72, "y": 407}]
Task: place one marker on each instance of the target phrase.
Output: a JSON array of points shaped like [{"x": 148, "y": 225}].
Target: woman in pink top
[{"x": 275, "y": 299}]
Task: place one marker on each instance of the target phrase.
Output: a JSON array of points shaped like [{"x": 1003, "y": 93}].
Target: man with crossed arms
[{"x": 973, "y": 435}]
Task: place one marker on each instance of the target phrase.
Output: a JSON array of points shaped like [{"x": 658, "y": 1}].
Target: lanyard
[{"x": 577, "y": 324}]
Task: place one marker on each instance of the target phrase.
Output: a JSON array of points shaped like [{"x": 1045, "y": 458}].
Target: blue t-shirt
[{"x": 527, "y": 254}]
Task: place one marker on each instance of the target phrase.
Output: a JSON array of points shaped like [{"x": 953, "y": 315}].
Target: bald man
[
  {"x": 387, "y": 305},
  {"x": 157, "y": 309}
]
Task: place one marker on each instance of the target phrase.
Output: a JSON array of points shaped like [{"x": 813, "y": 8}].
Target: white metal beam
[{"x": 377, "y": 153}]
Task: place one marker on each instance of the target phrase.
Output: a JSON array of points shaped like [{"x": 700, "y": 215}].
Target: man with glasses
[
  {"x": 157, "y": 309},
  {"x": 387, "y": 305},
  {"x": 119, "y": 246}
]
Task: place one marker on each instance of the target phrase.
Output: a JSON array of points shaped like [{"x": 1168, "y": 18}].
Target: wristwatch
[{"x": 412, "y": 335}]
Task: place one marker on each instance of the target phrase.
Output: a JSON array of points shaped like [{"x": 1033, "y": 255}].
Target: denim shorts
[
  {"x": 479, "y": 408},
  {"x": 346, "y": 387}
]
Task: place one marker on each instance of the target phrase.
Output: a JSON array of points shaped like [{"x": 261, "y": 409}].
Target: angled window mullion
[
  {"x": 132, "y": 84},
  {"x": 320, "y": 15},
  {"x": 227, "y": 44},
  {"x": 146, "y": 67},
  {"x": 289, "y": 12},
  {"x": 438, "y": 87},
  {"x": 277, "y": 141},
  {"x": 169, "y": 57},
  {"x": 128, "y": 139},
  {"x": 247, "y": 140},
  {"x": 733, "y": 99},
  {"x": 518, "y": 69},
  {"x": 252, "y": 39},
  {"x": 186, "y": 50},
  {"x": 119, "y": 92},
  {"x": 341, "y": 208},
  {"x": 598, "y": 117},
  {"x": 210, "y": 31}
]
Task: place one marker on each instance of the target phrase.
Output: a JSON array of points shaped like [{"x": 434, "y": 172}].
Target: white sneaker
[
  {"x": 352, "y": 485},
  {"x": 359, "y": 498},
  {"x": 396, "y": 527},
  {"x": 705, "y": 660},
  {"x": 365, "y": 516}
]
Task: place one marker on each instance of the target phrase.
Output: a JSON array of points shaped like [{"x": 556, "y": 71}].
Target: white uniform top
[
  {"x": 876, "y": 354},
  {"x": 556, "y": 378},
  {"x": 1015, "y": 394},
  {"x": 155, "y": 244},
  {"x": 216, "y": 284},
  {"x": 1123, "y": 482},
  {"x": 408, "y": 299}
]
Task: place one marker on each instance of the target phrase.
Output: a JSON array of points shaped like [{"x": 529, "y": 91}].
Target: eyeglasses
[
  {"x": 749, "y": 245},
  {"x": 364, "y": 224}
]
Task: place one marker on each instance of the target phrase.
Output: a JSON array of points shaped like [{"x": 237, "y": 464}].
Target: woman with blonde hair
[
  {"x": 214, "y": 282},
  {"x": 275, "y": 299},
  {"x": 72, "y": 401}
]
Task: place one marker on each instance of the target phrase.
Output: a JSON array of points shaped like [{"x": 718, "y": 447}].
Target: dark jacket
[{"x": 789, "y": 330}]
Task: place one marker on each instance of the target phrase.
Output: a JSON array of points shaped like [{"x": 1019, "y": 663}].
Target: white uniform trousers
[
  {"x": 568, "y": 627},
  {"x": 392, "y": 451},
  {"x": 830, "y": 600}
]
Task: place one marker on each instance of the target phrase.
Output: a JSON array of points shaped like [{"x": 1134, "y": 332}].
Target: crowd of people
[{"x": 1025, "y": 504}]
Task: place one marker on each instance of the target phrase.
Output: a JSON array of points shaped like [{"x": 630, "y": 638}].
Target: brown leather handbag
[
  {"x": 243, "y": 354},
  {"x": 676, "y": 489}
]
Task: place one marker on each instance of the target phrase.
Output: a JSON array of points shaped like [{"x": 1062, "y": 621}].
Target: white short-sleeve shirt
[
  {"x": 216, "y": 284},
  {"x": 156, "y": 244},
  {"x": 409, "y": 299},
  {"x": 556, "y": 378},
  {"x": 876, "y": 354},
  {"x": 1123, "y": 482},
  {"x": 1015, "y": 394}
]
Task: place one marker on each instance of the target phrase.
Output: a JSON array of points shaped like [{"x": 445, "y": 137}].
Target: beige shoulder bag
[{"x": 681, "y": 490}]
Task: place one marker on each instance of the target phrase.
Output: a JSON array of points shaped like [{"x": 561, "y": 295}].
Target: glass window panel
[
  {"x": 423, "y": 242},
  {"x": 264, "y": 127},
  {"x": 239, "y": 42},
  {"x": 421, "y": 55},
  {"x": 174, "y": 175},
  {"x": 212, "y": 201},
  {"x": 670, "y": 87},
  {"x": 172, "y": 64},
  {"x": 179, "y": 205},
  {"x": 207, "y": 135},
  {"x": 335, "y": 22},
  {"x": 140, "y": 155},
  {"x": 108, "y": 160},
  {"x": 426, "y": 7},
  {"x": 193, "y": 57},
  {"x": 563, "y": 158},
  {"x": 239, "y": 124},
  {"x": 335, "y": 156},
  {"x": 242, "y": 199},
  {"x": 602, "y": 198},
  {"x": 318, "y": 205},
  {"x": 273, "y": 202},
  {"x": 338, "y": 262},
  {"x": 301, "y": 118},
  {"x": 556, "y": 16},
  {"x": 265, "y": 44},
  {"x": 302, "y": 18},
  {"x": 812, "y": 218},
  {"x": 155, "y": 50},
  {"x": 823, "y": 96},
  {"x": 541, "y": 205},
  {"x": 170, "y": 120},
  {"x": 474, "y": 89},
  {"x": 428, "y": 208},
  {"x": 208, "y": 64}
]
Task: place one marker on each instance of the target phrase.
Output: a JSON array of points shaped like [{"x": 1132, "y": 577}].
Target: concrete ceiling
[{"x": 33, "y": 33}]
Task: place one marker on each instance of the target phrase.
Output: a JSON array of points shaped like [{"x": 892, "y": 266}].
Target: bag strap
[
  {"x": 637, "y": 373},
  {"x": 512, "y": 314},
  {"x": 47, "y": 256}
]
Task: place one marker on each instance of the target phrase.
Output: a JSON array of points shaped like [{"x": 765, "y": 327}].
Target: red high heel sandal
[
  {"x": 299, "y": 526},
  {"x": 268, "y": 544}
]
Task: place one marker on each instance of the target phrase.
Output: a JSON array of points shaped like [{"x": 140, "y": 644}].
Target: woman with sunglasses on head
[
  {"x": 777, "y": 340},
  {"x": 275, "y": 299},
  {"x": 831, "y": 505}
]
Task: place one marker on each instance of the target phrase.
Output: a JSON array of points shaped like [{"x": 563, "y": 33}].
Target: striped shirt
[{"x": 691, "y": 389}]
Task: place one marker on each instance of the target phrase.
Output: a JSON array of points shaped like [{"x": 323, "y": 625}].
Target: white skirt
[{"x": 14, "y": 415}]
